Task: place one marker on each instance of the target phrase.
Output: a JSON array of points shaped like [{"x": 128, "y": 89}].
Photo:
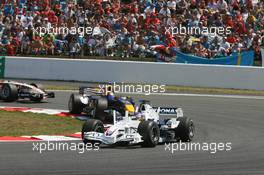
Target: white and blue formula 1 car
[
  {"x": 140, "y": 126},
  {"x": 11, "y": 91}
]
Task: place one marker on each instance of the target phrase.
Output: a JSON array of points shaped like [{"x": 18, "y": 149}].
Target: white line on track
[{"x": 187, "y": 95}]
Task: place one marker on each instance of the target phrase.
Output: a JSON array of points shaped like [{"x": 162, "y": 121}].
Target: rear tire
[
  {"x": 92, "y": 125},
  {"x": 75, "y": 105},
  {"x": 185, "y": 130},
  {"x": 150, "y": 132},
  {"x": 101, "y": 104},
  {"x": 9, "y": 92}
]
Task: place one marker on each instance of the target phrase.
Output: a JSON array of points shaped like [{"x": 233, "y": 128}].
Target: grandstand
[{"x": 126, "y": 28}]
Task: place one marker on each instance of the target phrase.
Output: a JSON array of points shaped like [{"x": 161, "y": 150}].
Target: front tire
[
  {"x": 101, "y": 104},
  {"x": 9, "y": 92},
  {"x": 150, "y": 132},
  {"x": 92, "y": 125},
  {"x": 75, "y": 105},
  {"x": 185, "y": 130}
]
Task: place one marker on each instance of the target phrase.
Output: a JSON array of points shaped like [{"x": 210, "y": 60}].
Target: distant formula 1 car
[
  {"x": 140, "y": 126},
  {"x": 11, "y": 91}
]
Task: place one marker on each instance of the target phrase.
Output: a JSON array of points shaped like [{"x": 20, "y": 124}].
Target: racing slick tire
[
  {"x": 101, "y": 104},
  {"x": 75, "y": 105},
  {"x": 9, "y": 92},
  {"x": 92, "y": 125},
  {"x": 150, "y": 132},
  {"x": 185, "y": 129}
]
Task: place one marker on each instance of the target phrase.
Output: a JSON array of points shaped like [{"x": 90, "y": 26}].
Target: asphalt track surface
[{"x": 239, "y": 121}]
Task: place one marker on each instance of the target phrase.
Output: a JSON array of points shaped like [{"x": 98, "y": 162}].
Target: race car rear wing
[
  {"x": 91, "y": 90},
  {"x": 169, "y": 111}
]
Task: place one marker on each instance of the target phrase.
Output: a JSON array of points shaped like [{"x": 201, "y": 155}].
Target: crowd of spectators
[{"x": 129, "y": 28}]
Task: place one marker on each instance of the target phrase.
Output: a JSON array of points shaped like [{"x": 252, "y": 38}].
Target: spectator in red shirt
[{"x": 10, "y": 49}]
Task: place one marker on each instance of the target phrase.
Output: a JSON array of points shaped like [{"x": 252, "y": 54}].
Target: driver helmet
[{"x": 110, "y": 96}]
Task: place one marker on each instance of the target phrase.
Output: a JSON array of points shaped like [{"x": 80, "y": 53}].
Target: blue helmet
[{"x": 110, "y": 96}]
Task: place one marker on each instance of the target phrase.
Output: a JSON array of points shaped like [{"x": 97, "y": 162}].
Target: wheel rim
[
  {"x": 99, "y": 129},
  {"x": 5, "y": 92}
]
